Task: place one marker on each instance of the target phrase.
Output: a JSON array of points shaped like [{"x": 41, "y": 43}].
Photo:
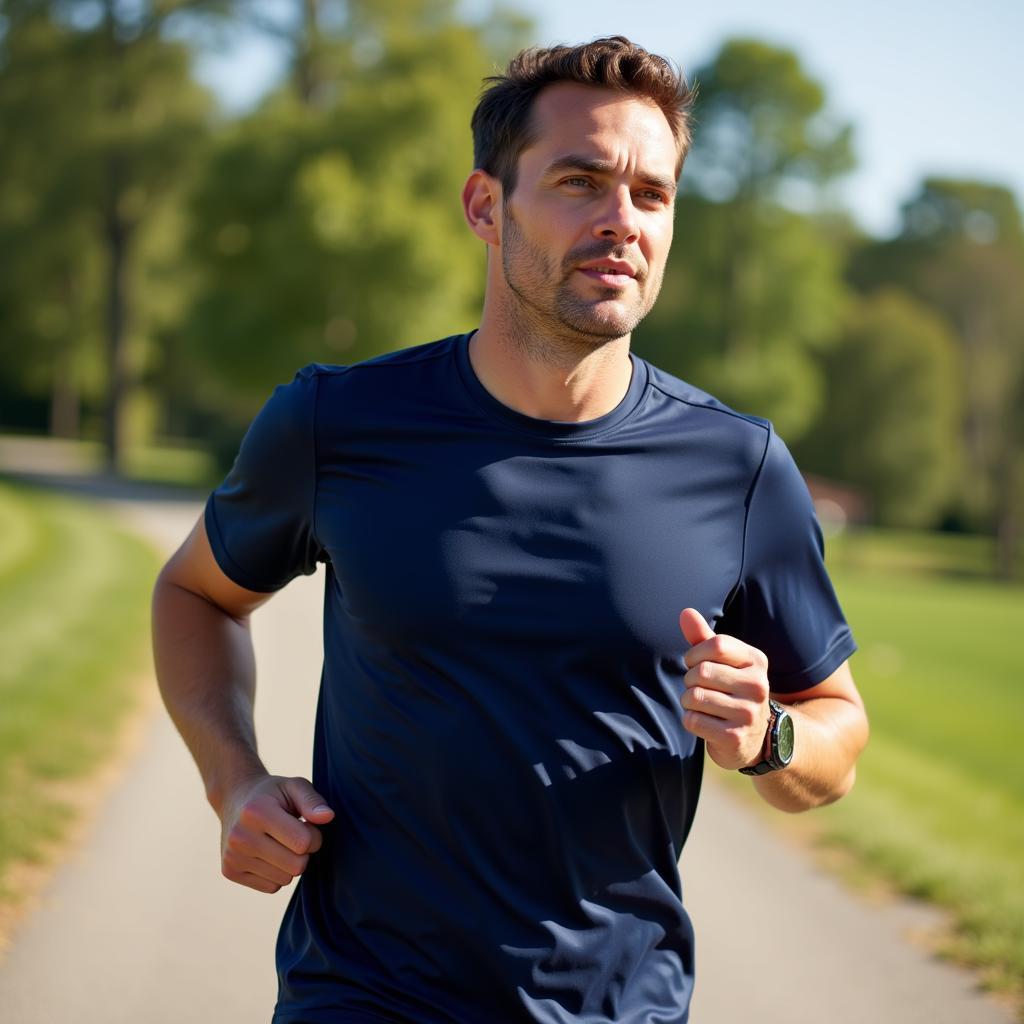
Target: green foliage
[
  {"x": 73, "y": 628},
  {"x": 50, "y": 295},
  {"x": 891, "y": 414},
  {"x": 762, "y": 128},
  {"x": 961, "y": 252},
  {"x": 102, "y": 123},
  {"x": 345, "y": 209}
]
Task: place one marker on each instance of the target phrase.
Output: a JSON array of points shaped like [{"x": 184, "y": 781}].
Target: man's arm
[
  {"x": 726, "y": 704},
  {"x": 206, "y": 669},
  {"x": 832, "y": 729}
]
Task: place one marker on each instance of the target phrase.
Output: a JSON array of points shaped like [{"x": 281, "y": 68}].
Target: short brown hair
[{"x": 501, "y": 121}]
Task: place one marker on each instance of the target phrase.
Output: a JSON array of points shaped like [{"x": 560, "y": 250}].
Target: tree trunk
[
  {"x": 118, "y": 236},
  {"x": 307, "y": 56},
  {"x": 1007, "y": 519},
  {"x": 1010, "y": 492},
  {"x": 65, "y": 406}
]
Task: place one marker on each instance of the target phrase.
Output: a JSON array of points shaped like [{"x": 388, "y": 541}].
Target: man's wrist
[
  {"x": 221, "y": 787},
  {"x": 778, "y": 746}
]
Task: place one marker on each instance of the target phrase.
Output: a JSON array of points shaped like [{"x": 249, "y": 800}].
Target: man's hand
[
  {"x": 726, "y": 697},
  {"x": 265, "y": 842}
]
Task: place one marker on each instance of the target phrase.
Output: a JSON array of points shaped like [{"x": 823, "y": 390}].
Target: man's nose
[{"x": 618, "y": 218}]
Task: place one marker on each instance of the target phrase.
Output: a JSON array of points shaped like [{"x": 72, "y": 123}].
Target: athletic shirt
[{"x": 499, "y": 729}]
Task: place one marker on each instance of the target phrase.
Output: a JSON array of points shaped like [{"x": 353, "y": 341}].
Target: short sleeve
[
  {"x": 260, "y": 520},
  {"x": 784, "y": 603}
]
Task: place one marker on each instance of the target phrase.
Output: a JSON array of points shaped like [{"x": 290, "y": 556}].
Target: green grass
[
  {"x": 938, "y": 808},
  {"x": 74, "y": 608},
  {"x": 914, "y": 551}
]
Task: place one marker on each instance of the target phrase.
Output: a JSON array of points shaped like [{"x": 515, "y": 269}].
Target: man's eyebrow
[{"x": 575, "y": 162}]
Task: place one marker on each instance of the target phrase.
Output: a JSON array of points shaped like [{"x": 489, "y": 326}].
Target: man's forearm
[
  {"x": 830, "y": 733},
  {"x": 206, "y": 670}
]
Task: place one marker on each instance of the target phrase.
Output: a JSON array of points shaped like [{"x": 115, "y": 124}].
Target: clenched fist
[
  {"x": 268, "y": 831},
  {"x": 726, "y": 696}
]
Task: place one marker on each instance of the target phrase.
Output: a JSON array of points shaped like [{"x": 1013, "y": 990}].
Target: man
[{"x": 527, "y": 531}]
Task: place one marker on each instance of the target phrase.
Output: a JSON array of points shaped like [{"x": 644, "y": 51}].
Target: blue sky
[{"x": 931, "y": 87}]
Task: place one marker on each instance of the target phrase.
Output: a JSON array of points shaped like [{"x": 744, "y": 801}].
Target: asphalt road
[{"x": 138, "y": 927}]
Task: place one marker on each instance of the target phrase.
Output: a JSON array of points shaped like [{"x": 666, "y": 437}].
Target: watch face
[{"x": 785, "y": 739}]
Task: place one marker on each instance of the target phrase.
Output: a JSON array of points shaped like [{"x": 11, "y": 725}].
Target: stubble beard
[{"x": 549, "y": 319}]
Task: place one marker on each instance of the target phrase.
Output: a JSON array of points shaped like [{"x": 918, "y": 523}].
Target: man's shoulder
[
  {"x": 397, "y": 358},
  {"x": 690, "y": 397},
  {"x": 386, "y": 371}
]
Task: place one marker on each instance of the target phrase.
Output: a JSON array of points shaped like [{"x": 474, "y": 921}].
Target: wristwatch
[{"x": 778, "y": 742}]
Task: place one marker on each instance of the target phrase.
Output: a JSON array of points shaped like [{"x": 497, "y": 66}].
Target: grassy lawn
[
  {"x": 74, "y": 611},
  {"x": 939, "y": 804}
]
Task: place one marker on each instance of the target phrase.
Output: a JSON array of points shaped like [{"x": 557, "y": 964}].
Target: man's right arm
[{"x": 206, "y": 669}]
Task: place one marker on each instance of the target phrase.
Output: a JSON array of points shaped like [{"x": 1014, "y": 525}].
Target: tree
[
  {"x": 328, "y": 226},
  {"x": 763, "y": 131},
  {"x": 110, "y": 121},
  {"x": 48, "y": 294},
  {"x": 961, "y": 251},
  {"x": 890, "y": 423}
]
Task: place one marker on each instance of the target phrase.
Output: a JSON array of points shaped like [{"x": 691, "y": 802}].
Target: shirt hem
[
  {"x": 805, "y": 679},
  {"x": 222, "y": 556},
  {"x": 334, "y": 1017}
]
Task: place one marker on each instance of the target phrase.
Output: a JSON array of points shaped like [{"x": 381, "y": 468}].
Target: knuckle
[
  {"x": 746, "y": 715},
  {"x": 734, "y": 739},
  {"x": 249, "y": 816},
  {"x": 705, "y": 670},
  {"x": 238, "y": 841}
]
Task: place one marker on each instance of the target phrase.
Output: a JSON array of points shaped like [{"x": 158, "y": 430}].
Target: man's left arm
[{"x": 726, "y": 704}]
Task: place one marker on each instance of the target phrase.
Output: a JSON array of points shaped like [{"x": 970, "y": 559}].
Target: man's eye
[{"x": 583, "y": 182}]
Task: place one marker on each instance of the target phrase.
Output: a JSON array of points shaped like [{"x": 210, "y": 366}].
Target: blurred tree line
[{"x": 165, "y": 264}]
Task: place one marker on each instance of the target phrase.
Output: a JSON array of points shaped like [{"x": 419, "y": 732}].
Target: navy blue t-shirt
[{"x": 499, "y": 729}]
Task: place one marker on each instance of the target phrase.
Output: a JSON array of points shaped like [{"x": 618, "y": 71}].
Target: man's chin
[{"x": 602, "y": 323}]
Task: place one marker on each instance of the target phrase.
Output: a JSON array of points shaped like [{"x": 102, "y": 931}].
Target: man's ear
[{"x": 481, "y": 204}]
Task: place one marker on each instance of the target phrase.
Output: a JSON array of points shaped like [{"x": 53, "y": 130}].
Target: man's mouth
[{"x": 612, "y": 274}]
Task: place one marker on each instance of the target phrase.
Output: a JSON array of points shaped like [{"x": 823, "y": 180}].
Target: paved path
[{"x": 139, "y": 928}]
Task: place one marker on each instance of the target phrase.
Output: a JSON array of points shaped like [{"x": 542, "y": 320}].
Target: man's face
[{"x": 587, "y": 230}]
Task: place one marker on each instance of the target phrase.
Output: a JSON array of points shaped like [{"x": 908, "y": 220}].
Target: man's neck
[{"x": 550, "y": 377}]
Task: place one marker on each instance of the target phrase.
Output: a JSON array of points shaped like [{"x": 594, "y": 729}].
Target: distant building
[{"x": 838, "y": 505}]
